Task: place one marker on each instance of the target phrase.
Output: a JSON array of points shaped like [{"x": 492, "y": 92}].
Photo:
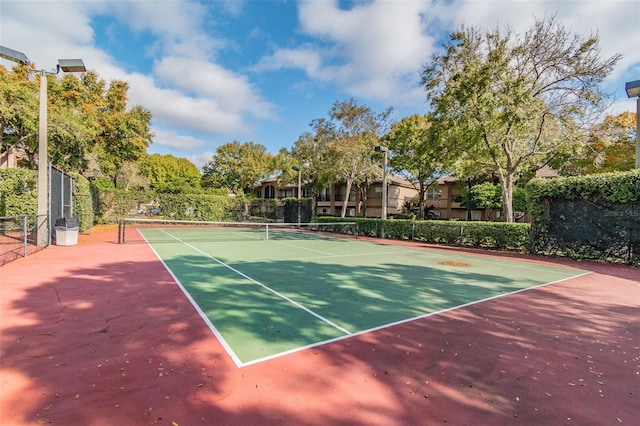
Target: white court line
[
  {"x": 282, "y": 296},
  {"x": 204, "y": 316},
  {"x": 470, "y": 258},
  {"x": 307, "y": 248},
  {"x": 329, "y": 256}
]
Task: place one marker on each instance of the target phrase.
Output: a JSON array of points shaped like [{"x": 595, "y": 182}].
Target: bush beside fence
[
  {"x": 587, "y": 217},
  {"x": 491, "y": 235}
]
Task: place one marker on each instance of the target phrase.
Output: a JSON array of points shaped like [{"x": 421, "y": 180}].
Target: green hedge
[
  {"x": 587, "y": 217},
  {"x": 18, "y": 192},
  {"x": 113, "y": 204},
  {"x": 492, "y": 235},
  {"x": 19, "y": 195}
]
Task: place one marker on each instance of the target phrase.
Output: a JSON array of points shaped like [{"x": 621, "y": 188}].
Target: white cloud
[
  {"x": 227, "y": 90},
  {"x": 201, "y": 159},
  {"x": 178, "y": 110},
  {"x": 47, "y": 32},
  {"x": 187, "y": 91},
  {"x": 176, "y": 141},
  {"x": 375, "y": 50},
  {"x": 616, "y": 21}
]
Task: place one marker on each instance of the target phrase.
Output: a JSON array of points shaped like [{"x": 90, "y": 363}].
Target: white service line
[
  {"x": 242, "y": 274},
  {"x": 309, "y": 249}
]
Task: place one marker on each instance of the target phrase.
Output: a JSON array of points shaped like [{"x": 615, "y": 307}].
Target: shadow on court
[
  {"x": 100, "y": 334},
  {"x": 264, "y": 308}
]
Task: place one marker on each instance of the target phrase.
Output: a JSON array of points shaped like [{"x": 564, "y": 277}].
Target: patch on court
[{"x": 265, "y": 297}]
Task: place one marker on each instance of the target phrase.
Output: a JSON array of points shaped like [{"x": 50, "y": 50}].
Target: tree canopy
[
  {"x": 166, "y": 173},
  {"x": 516, "y": 100},
  {"x": 90, "y": 127},
  {"x": 237, "y": 167},
  {"x": 418, "y": 154},
  {"x": 611, "y": 147},
  {"x": 348, "y": 138}
]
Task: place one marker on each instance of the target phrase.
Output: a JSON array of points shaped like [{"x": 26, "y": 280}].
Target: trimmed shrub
[
  {"x": 490, "y": 235},
  {"x": 18, "y": 192},
  {"x": 113, "y": 204}
]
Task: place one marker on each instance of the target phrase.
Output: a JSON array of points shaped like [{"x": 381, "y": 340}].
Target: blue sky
[{"x": 212, "y": 72}]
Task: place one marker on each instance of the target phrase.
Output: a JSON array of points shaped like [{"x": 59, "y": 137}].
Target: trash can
[{"x": 67, "y": 231}]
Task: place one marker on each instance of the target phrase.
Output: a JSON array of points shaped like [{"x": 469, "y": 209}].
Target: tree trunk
[
  {"x": 421, "y": 191},
  {"x": 506, "y": 181},
  {"x": 348, "y": 185}
]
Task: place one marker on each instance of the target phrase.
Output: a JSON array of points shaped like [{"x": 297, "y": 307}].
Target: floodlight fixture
[
  {"x": 71, "y": 65},
  {"x": 632, "y": 88},
  {"x": 14, "y": 56},
  {"x": 633, "y": 91}
]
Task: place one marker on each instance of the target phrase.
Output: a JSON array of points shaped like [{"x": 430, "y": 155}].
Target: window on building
[
  {"x": 288, "y": 193},
  {"x": 377, "y": 192},
  {"x": 269, "y": 191},
  {"x": 325, "y": 195},
  {"x": 342, "y": 195},
  {"x": 433, "y": 194}
]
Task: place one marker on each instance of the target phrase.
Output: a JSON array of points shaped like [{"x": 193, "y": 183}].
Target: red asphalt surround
[{"x": 99, "y": 334}]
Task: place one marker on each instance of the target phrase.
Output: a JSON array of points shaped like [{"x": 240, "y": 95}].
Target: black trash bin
[{"x": 67, "y": 231}]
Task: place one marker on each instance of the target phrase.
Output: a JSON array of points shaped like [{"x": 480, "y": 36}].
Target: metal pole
[
  {"x": 638, "y": 133},
  {"x": 43, "y": 166},
  {"x": 25, "y": 231},
  {"x": 299, "y": 195},
  {"x": 384, "y": 187}
]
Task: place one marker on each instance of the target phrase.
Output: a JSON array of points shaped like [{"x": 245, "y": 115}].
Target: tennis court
[
  {"x": 268, "y": 295},
  {"x": 100, "y": 334}
]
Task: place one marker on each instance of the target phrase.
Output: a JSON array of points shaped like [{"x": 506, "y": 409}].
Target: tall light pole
[
  {"x": 385, "y": 150},
  {"x": 297, "y": 169},
  {"x": 66, "y": 65},
  {"x": 633, "y": 91}
]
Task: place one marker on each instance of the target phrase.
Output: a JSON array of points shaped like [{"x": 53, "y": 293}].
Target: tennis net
[{"x": 131, "y": 230}]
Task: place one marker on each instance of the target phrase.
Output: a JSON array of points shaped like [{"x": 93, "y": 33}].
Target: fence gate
[{"x": 61, "y": 201}]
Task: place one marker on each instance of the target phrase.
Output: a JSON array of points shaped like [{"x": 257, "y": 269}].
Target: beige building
[
  {"x": 443, "y": 199},
  {"x": 330, "y": 200}
]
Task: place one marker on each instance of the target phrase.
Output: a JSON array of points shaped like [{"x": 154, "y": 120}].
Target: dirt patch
[{"x": 452, "y": 263}]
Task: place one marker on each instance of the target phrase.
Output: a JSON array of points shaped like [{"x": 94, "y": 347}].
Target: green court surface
[{"x": 264, "y": 298}]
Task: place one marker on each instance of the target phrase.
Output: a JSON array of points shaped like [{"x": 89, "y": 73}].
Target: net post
[
  {"x": 267, "y": 231},
  {"x": 120, "y": 231},
  {"x": 24, "y": 234}
]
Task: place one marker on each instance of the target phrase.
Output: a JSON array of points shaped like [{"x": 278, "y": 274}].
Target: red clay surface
[{"x": 99, "y": 334}]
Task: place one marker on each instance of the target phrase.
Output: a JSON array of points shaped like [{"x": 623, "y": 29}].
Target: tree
[
  {"x": 348, "y": 139},
  {"x": 237, "y": 167},
  {"x": 611, "y": 147},
  {"x": 417, "y": 153},
  {"x": 68, "y": 130},
  {"x": 124, "y": 134},
  {"x": 87, "y": 124},
  {"x": 130, "y": 176},
  {"x": 513, "y": 101},
  {"x": 166, "y": 173}
]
